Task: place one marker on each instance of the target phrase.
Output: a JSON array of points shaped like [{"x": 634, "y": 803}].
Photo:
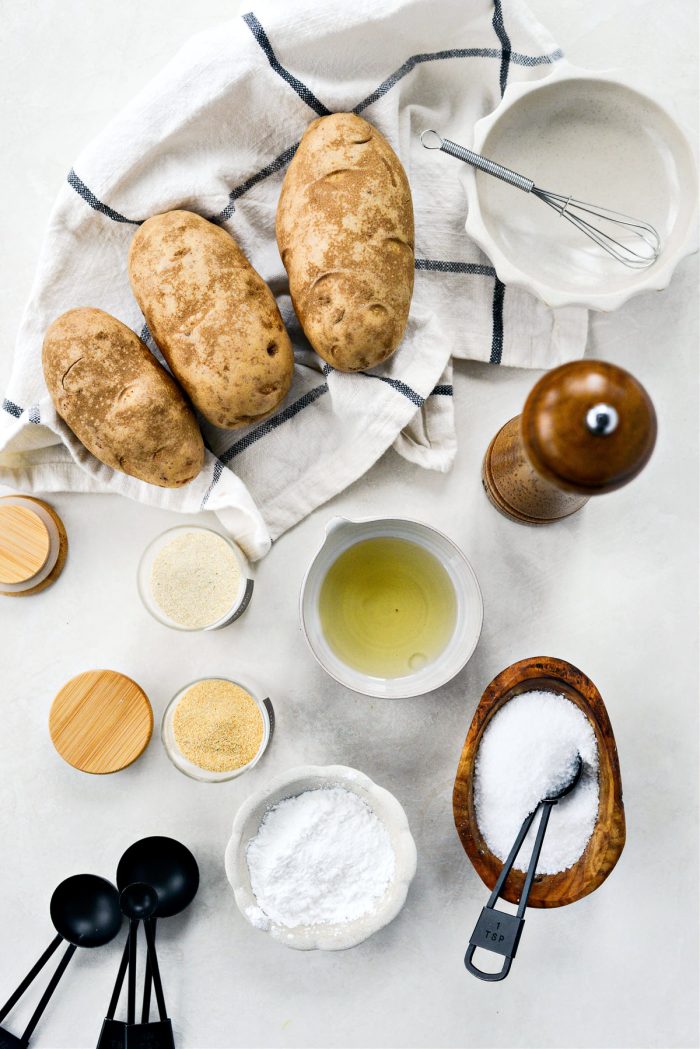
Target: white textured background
[{"x": 613, "y": 590}]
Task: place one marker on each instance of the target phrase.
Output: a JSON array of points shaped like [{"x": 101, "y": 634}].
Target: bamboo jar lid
[
  {"x": 24, "y": 544},
  {"x": 101, "y": 721},
  {"x": 33, "y": 545},
  {"x": 588, "y": 427}
]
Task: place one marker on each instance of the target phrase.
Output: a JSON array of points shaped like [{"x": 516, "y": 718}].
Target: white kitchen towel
[{"x": 214, "y": 132}]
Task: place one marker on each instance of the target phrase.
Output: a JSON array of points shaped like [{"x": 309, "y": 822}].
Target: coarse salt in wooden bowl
[{"x": 607, "y": 841}]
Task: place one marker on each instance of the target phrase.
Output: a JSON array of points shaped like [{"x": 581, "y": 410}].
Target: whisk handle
[{"x": 489, "y": 166}]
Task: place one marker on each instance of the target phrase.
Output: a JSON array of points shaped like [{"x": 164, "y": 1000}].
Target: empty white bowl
[
  {"x": 326, "y": 936},
  {"x": 590, "y": 136},
  {"x": 341, "y": 534}
]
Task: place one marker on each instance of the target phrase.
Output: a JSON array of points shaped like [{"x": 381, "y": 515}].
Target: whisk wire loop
[{"x": 641, "y": 251}]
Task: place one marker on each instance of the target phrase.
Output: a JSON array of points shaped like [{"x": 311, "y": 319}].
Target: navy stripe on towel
[
  {"x": 90, "y": 198},
  {"x": 12, "y": 408},
  {"x": 499, "y": 287},
  {"x": 279, "y": 162},
  {"x": 400, "y": 387},
  {"x": 260, "y": 431},
  {"x": 502, "y": 35},
  {"x": 396, "y": 384},
  {"x": 412, "y": 395},
  {"x": 444, "y": 390},
  {"x": 218, "y": 470},
  {"x": 456, "y": 52},
  {"x": 443, "y": 266},
  {"x": 146, "y": 338},
  {"x": 301, "y": 89},
  {"x": 415, "y": 60},
  {"x": 536, "y": 60},
  {"x": 271, "y": 424},
  {"x": 497, "y": 337}
]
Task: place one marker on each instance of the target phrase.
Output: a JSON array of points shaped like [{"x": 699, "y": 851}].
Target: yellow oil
[{"x": 387, "y": 607}]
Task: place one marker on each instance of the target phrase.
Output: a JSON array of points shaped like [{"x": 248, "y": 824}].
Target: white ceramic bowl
[
  {"x": 325, "y": 937},
  {"x": 342, "y": 534},
  {"x": 591, "y": 136}
]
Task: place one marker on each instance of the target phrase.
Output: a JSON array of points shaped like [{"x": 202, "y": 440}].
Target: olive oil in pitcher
[{"x": 387, "y": 607}]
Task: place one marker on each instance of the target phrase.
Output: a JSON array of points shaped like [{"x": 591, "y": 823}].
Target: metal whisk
[{"x": 643, "y": 242}]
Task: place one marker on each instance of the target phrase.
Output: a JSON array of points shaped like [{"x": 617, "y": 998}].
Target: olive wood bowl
[{"x": 608, "y": 838}]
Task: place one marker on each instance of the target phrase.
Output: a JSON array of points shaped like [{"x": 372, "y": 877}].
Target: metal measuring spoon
[
  {"x": 85, "y": 913},
  {"x": 498, "y": 931}
]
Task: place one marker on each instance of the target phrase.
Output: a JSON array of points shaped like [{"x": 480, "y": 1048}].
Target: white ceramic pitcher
[{"x": 342, "y": 534}]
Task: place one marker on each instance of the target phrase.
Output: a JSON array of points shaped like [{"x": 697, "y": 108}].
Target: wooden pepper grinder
[{"x": 587, "y": 427}]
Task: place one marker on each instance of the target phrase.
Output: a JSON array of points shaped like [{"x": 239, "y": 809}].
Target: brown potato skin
[
  {"x": 213, "y": 317},
  {"x": 345, "y": 234},
  {"x": 118, "y": 400}
]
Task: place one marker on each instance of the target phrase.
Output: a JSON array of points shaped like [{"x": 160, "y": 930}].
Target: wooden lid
[
  {"x": 100, "y": 721},
  {"x": 24, "y": 544},
  {"x": 588, "y": 427}
]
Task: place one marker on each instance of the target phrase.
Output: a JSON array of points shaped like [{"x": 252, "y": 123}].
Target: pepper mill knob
[{"x": 587, "y": 427}]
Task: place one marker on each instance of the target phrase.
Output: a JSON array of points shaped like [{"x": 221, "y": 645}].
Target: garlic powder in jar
[{"x": 192, "y": 578}]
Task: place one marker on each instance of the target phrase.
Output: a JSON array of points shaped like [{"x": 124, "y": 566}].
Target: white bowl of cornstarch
[{"x": 321, "y": 858}]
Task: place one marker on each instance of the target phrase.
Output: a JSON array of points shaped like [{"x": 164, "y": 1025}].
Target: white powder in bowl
[
  {"x": 195, "y": 578},
  {"x": 320, "y": 857},
  {"x": 528, "y": 751}
]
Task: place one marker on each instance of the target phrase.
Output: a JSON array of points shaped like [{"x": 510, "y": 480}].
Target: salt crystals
[{"x": 527, "y": 752}]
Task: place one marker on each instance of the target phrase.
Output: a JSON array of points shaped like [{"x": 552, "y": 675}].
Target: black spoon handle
[
  {"x": 51, "y": 987},
  {"x": 547, "y": 807},
  {"x": 31, "y": 975},
  {"x": 131, "y": 992},
  {"x": 499, "y": 931},
  {"x": 153, "y": 959},
  {"x": 146, "y": 1007},
  {"x": 114, "y": 1000},
  {"x": 511, "y": 858}
]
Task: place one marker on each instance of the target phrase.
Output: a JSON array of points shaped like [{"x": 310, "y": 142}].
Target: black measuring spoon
[
  {"x": 170, "y": 868},
  {"x": 85, "y": 913},
  {"x": 138, "y": 903},
  {"x": 499, "y": 931}
]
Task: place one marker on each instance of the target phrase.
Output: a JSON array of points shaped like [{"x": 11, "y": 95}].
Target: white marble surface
[{"x": 613, "y": 590}]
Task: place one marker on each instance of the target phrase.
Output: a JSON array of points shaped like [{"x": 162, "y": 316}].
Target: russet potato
[
  {"x": 212, "y": 316},
  {"x": 118, "y": 400},
  {"x": 345, "y": 235}
]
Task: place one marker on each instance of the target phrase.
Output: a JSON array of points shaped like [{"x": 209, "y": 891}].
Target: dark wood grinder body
[{"x": 587, "y": 427}]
